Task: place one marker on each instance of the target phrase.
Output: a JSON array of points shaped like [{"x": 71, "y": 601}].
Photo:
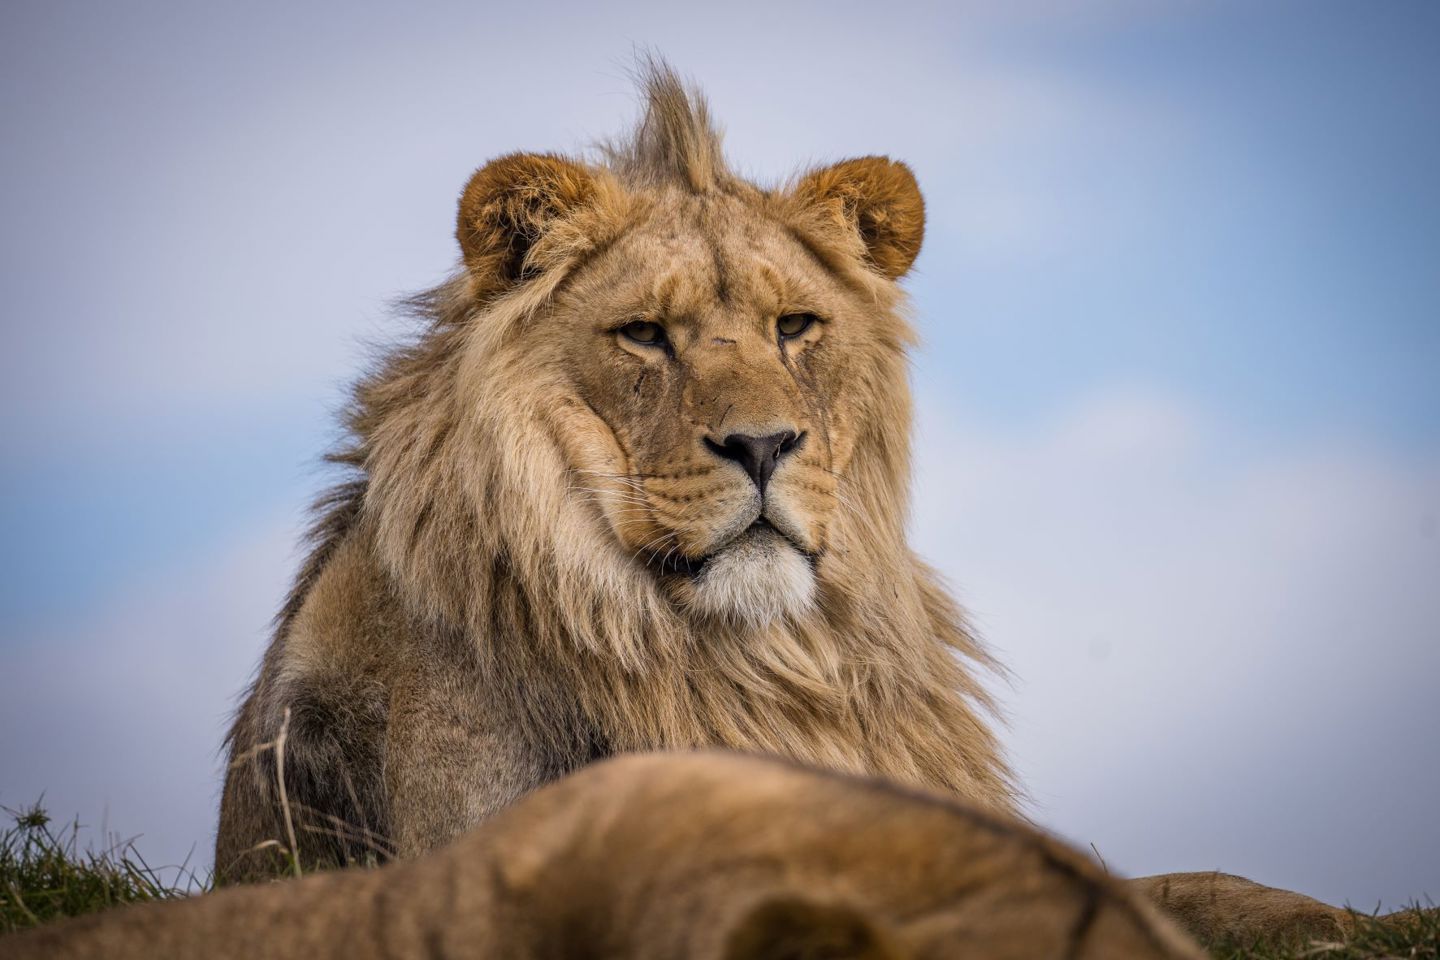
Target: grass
[
  {"x": 1413, "y": 933},
  {"x": 45, "y": 876}
]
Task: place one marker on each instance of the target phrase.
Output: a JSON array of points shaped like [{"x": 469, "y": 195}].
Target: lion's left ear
[{"x": 877, "y": 198}]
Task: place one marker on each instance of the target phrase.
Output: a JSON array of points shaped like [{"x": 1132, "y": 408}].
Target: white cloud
[{"x": 1225, "y": 659}]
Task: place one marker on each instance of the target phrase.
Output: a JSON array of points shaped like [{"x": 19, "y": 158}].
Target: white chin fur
[{"x": 755, "y": 580}]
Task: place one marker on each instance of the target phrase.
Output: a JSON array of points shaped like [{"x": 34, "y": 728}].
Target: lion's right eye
[
  {"x": 644, "y": 333},
  {"x": 793, "y": 324}
]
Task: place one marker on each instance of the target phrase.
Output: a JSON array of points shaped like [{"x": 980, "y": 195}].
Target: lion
[
  {"x": 640, "y": 483},
  {"x": 675, "y": 855}
]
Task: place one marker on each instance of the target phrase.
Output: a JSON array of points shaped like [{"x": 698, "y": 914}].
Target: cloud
[{"x": 1225, "y": 658}]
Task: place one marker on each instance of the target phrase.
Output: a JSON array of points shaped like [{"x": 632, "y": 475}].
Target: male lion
[{"x": 640, "y": 484}]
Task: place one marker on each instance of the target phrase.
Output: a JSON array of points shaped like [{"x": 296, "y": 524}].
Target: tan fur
[
  {"x": 700, "y": 856},
  {"x": 547, "y": 556}
]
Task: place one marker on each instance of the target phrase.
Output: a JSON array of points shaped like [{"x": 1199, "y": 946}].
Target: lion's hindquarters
[{"x": 1219, "y": 907}]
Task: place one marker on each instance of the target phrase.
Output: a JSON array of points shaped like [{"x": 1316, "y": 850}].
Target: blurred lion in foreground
[
  {"x": 711, "y": 857},
  {"x": 640, "y": 484}
]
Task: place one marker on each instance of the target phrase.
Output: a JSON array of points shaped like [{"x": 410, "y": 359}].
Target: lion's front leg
[
  {"x": 454, "y": 759},
  {"x": 1218, "y": 907}
]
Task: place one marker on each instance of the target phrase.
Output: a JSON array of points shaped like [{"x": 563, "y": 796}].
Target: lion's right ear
[{"x": 515, "y": 212}]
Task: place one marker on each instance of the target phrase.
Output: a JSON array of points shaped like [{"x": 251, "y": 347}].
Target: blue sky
[{"x": 1178, "y": 397}]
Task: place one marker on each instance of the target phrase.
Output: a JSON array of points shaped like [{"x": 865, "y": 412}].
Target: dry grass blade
[{"x": 284, "y": 797}]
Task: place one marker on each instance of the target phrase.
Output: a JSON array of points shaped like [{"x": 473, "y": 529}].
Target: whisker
[
  {"x": 669, "y": 553},
  {"x": 625, "y": 510},
  {"x": 834, "y": 473},
  {"x": 656, "y": 543},
  {"x": 681, "y": 474},
  {"x": 631, "y": 512},
  {"x": 635, "y": 478},
  {"x": 624, "y": 497}
]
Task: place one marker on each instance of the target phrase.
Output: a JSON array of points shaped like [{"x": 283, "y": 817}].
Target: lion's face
[{"x": 719, "y": 358}]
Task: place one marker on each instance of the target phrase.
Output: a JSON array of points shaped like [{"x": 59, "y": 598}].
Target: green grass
[{"x": 44, "y": 876}]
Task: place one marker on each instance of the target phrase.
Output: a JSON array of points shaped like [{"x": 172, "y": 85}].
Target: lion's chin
[{"x": 758, "y": 578}]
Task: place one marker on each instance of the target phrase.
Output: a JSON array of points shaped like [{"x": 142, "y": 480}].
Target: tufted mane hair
[{"x": 675, "y": 142}]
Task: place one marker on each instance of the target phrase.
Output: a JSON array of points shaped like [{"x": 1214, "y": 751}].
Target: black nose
[{"x": 758, "y": 455}]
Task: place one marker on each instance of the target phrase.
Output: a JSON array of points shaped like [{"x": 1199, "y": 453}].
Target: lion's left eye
[{"x": 794, "y": 324}]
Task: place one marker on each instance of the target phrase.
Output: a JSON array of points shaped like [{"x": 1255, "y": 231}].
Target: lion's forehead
[{"x": 686, "y": 262}]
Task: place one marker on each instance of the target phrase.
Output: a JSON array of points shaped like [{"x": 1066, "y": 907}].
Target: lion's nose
[{"x": 757, "y": 455}]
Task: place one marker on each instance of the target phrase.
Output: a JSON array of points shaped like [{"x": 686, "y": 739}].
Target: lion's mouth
[{"x": 675, "y": 564}]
